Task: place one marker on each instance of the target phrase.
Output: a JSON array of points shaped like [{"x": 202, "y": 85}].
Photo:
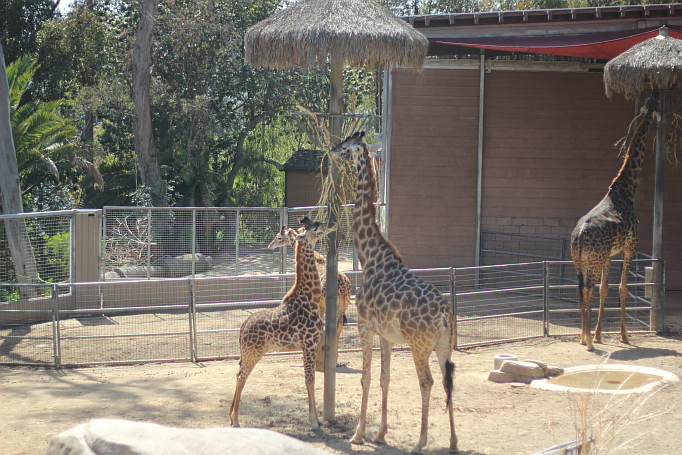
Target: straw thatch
[
  {"x": 357, "y": 32},
  {"x": 652, "y": 64}
]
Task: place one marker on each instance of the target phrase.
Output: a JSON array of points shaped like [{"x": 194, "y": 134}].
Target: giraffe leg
[
  {"x": 386, "y": 347},
  {"x": 627, "y": 261},
  {"x": 447, "y": 369},
  {"x": 309, "y": 368},
  {"x": 585, "y": 299},
  {"x": 366, "y": 341},
  {"x": 603, "y": 292},
  {"x": 246, "y": 364},
  {"x": 421, "y": 361}
]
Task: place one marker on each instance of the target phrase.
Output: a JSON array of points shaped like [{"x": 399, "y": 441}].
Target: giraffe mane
[
  {"x": 299, "y": 271},
  {"x": 372, "y": 189},
  {"x": 647, "y": 116}
]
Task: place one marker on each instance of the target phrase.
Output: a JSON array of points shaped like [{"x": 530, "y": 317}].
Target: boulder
[
  {"x": 554, "y": 371},
  {"x": 539, "y": 363},
  {"x": 122, "y": 437},
  {"x": 500, "y": 376},
  {"x": 522, "y": 369}
]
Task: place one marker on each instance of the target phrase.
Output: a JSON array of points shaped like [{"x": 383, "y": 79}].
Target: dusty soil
[{"x": 490, "y": 418}]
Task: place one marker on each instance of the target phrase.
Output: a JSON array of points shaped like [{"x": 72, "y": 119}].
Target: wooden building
[
  {"x": 303, "y": 176},
  {"x": 495, "y": 137}
]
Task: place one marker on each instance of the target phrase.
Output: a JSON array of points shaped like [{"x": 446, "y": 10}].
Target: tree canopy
[{"x": 220, "y": 128}]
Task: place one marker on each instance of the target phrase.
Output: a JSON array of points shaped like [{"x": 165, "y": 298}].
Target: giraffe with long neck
[
  {"x": 608, "y": 229},
  {"x": 345, "y": 291},
  {"x": 293, "y": 325},
  {"x": 394, "y": 303}
]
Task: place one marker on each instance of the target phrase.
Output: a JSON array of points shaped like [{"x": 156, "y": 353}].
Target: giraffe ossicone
[
  {"x": 395, "y": 304},
  {"x": 611, "y": 227},
  {"x": 293, "y": 325}
]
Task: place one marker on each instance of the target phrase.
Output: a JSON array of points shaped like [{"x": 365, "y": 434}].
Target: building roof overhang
[{"x": 600, "y": 33}]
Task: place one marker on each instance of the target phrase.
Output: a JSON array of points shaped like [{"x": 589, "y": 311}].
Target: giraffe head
[
  {"x": 284, "y": 237},
  {"x": 653, "y": 105},
  {"x": 312, "y": 231},
  {"x": 352, "y": 148}
]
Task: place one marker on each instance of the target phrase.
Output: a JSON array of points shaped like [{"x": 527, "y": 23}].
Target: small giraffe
[
  {"x": 395, "y": 303},
  {"x": 344, "y": 293},
  {"x": 294, "y": 324},
  {"x": 608, "y": 229}
]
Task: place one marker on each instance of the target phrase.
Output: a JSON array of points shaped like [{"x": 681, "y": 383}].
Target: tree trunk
[
  {"x": 17, "y": 235},
  {"x": 142, "y": 121}
]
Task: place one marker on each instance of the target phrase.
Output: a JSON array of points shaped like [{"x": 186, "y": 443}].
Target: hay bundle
[
  {"x": 652, "y": 64},
  {"x": 360, "y": 32}
]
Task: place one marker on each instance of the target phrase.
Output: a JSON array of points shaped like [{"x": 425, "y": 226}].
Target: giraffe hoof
[
  {"x": 590, "y": 348},
  {"x": 379, "y": 440},
  {"x": 625, "y": 341},
  {"x": 357, "y": 441},
  {"x": 597, "y": 340}
]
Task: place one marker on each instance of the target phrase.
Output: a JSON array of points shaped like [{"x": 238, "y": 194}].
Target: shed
[
  {"x": 303, "y": 176},
  {"x": 510, "y": 130}
]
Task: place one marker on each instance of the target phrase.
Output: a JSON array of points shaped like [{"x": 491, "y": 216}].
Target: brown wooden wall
[
  {"x": 433, "y": 167},
  {"x": 302, "y": 188},
  {"x": 548, "y": 159}
]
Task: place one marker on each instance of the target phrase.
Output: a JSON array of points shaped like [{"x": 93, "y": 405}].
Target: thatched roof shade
[
  {"x": 656, "y": 61},
  {"x": 307, "y": 160},
  {"x": 355, "y": 31}
]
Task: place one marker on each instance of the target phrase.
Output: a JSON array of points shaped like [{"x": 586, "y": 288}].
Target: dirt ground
[{"x": 490, "y": 418}]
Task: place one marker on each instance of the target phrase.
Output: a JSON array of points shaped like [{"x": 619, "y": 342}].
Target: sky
[{"x": 64, "y": 5}]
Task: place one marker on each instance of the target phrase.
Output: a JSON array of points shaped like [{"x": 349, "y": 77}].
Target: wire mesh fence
[
  {"x": 199, "y": 318},
  {"x": 154, "y": 242}
]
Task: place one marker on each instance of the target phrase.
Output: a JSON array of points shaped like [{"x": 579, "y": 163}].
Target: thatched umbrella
[
  {"x": 307, "y": 34},
  {"x": 359, "y": 32},
  {"x": 652, "y": 65}
]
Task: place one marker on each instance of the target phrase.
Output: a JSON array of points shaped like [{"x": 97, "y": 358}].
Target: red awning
[{"x": 595, "y": 45}]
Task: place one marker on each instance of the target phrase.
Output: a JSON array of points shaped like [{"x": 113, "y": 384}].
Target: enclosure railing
[{"x": 198, "y": 318}]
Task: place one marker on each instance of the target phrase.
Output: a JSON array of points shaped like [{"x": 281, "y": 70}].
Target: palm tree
[{"x": 42, "y": 137}]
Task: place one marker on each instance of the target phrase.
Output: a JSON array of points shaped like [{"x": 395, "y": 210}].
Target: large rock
[
  {"x": 122, "y": 437},
  {"x": 529, "y": 369}
]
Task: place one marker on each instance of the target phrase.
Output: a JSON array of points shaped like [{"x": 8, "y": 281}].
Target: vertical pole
[
  {"x": 453, "y": 298},
  {"x": 479, "y": 167},
  {"x": 236, "y": 250},
  {"x": 335, "y": 106},
  {"x": 387, "y": 128},
  {"x": 194, "y": 241},
  {"x": 149, "y": 242},
  {"x": 72, "y": 247},
  {"x": 190, "y": 289},
  {"x": 284, "y": 221},
  {"x": 56, "y": 335},
  {"x": 658, "y": 298},
  {"x": 545, "y": 299}
]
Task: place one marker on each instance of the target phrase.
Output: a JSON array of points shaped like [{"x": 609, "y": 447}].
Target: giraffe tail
[
  {"x": 581, "y": 286},
  {"x": 448, "y": 379}
]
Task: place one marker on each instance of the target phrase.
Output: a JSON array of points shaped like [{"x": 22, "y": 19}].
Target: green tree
[
  {"x": 20, "y": 22},
  {"x": 43, "y": 139}
]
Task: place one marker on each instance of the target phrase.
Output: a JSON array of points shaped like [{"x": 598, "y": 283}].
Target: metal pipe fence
[{"x": 192, "y": 319}]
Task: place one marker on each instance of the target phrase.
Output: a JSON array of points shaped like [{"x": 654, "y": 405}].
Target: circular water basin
[{"x": 615, "y": 379}]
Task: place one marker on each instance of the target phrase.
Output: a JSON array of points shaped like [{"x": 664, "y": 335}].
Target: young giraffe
[
  {"x": 344, "y": 293},
  {"x": 294, "y": 324},
  {"x": 396, "y": 304},
  {"x": 608, "y": 229}
]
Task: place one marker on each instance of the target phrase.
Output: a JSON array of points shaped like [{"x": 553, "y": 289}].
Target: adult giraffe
[
  {"x": 608, "y": 229},
  {"x": 395, "y": 303}
]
